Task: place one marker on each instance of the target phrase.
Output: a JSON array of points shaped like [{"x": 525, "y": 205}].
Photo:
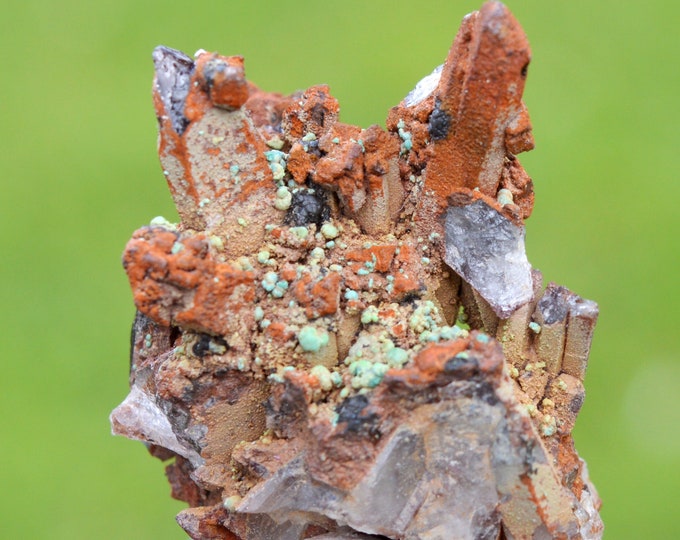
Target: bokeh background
[{"x": 79, "y": 174}]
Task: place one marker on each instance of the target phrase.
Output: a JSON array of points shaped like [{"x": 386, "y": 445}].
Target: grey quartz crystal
[
  {"x": 173, "y": 75},
  {"x": 487, "y": 250},
  {"x": 424, "y": 88}
]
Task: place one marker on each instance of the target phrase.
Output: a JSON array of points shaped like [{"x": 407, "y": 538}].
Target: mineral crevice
[{"x": 343, "y": 337}]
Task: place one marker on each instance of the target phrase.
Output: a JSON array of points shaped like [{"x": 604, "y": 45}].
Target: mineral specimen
[{"x": 343, "y": 337}]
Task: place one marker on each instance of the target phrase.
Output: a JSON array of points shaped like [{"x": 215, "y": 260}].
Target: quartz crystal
[{"x": 486, "y": 249}]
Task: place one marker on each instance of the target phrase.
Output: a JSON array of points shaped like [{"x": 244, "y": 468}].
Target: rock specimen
[{"x": 343, "y": 337}]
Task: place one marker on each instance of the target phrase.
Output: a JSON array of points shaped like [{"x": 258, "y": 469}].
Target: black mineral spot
[
  {"x": 202, "y": 346},
  {"x": 410, "y": 298},
  {"x": 222, "y": 372},
  {"x": 461, "y": 366},
  {"x": 308, "y": 207},
  {"x": 350, "y": 412},
  {"x": 485, "y": 392},
  {"x": 440, "y": 123}
]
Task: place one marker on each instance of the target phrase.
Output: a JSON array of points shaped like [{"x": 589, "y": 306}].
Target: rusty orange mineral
[{"x": 343, "y": 336}]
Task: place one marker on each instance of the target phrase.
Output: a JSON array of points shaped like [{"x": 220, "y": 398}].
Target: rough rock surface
[{"x": 343, "y": 338}]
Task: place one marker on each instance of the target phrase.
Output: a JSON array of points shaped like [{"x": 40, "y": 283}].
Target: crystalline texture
[
  {"x": 173, "y": 74},
  {"x": 554, "y": 304},
  {"x": 444, "y": 472},
  {"x": 487, "y": 250},
  {"x": 424, "y": 88},
  {"x": 138, "y": 417}
]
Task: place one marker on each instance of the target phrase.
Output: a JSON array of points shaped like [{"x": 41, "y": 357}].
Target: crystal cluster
[{"x": 343, "y": 336}]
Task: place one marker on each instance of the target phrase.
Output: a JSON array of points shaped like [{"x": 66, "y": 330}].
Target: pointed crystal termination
[
  {"x": 424, "y": 88},
  {"x": 173, "y": 76},
  {"x": 200, "y": 105},
  {"x": 139, "y": 418},
  {"x": 480, "y": 96},
  {"x": 487, "y": 250}
]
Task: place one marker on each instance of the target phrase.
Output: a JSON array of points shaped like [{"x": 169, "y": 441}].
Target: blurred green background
[{"x": 79, "y": 174}]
